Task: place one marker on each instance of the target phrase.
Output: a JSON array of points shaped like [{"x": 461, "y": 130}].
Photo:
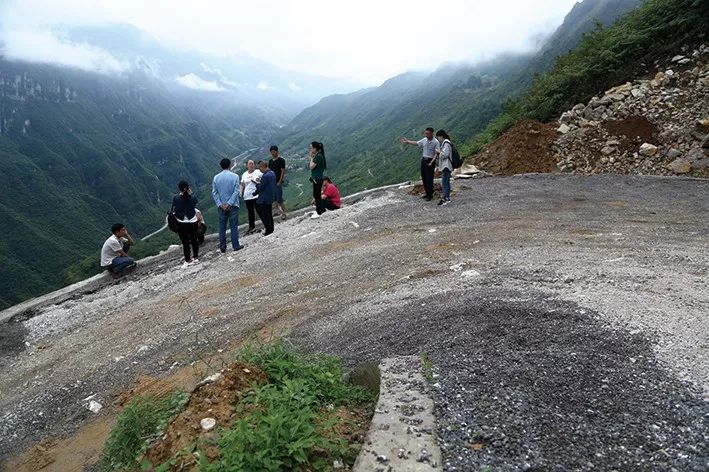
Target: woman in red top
[{"x": 330, "y": 198}]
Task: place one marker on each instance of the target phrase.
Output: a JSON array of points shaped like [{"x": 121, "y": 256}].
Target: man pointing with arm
[{"x": 429, "y": 149}]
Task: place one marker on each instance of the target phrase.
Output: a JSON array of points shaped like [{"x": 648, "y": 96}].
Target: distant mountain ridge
[{"x": 237, "y": 77}]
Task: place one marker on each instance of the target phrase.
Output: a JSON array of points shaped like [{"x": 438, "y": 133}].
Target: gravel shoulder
[{"x": 543, "y": 296}]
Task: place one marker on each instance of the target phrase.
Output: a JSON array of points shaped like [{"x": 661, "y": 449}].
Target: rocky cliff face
[
  {"x": 19, "y": 87},
  {"x": 657, "y": 125}
]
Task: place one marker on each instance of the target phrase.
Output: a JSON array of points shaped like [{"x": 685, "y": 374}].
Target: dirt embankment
[
  {"x": 652, "y": 126},
  {"x": 526, "y": 148}
]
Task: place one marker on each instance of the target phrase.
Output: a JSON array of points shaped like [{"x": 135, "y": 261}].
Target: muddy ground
[{"x": 543, "y": 300}]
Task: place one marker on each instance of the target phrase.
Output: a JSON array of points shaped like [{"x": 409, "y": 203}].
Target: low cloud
[
  {"x": 223, "y": 79},
  {"x": 45, "y": 47},
  {"x": 294, "y": 87},
  {"x": 195, "y": 82},
  {"x": 263, "y": 86}
]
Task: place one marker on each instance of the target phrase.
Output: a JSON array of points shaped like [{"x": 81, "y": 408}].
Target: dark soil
[
  {"x": 632, "y": 132},
  {"x": 525, "y": 148}
]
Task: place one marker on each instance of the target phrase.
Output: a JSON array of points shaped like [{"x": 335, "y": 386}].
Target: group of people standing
[
  {"x": 438, "y": 150},
  {"x": 261, "y": 188}
]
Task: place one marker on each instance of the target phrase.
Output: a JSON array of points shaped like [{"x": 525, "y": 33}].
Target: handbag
[{"x": 172, "y": 219}]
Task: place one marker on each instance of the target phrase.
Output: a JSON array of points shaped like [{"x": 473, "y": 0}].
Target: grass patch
[
  {"x": 306, "y": 417},
  {"x": 291, "y": 423},
  {"x": 427, "y": 366},
  {"x": 141, "y": 422}
]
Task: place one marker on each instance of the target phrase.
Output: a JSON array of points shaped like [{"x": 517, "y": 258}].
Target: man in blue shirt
[
  {"x": 225, "y": 191},
  {"x": 266, "y": 190}
]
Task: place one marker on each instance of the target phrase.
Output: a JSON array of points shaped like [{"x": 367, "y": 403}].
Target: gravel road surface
[{"x": 567, "y": 318}]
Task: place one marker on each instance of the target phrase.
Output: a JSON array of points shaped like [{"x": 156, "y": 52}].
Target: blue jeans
[
  {"x": 119, "y": 264},
  {"x": 233, "y": 216},
  {"x": 446, "y": 183}
]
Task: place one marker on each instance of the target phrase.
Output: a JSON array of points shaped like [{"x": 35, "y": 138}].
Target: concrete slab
[{"x": 402, "y": 433}]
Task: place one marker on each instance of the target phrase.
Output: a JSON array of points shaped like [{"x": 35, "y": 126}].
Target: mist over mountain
[
  {"x": 361, "y": 129},
  {"x": 238, "y": 77}
]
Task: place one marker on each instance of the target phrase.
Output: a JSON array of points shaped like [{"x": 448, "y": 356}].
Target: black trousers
[
  {"x": 188, "y": 236},
  {"x": 251, "y": 210},
  {"x": 427, "y": 172},
  {"x": 317, "y": 196},
  {"x": 326, "y": 205},
  {"x": 265, "y": 213}
]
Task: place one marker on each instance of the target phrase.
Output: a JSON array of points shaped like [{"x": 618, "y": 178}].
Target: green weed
[
  {"x": 141, "y": 422},
  {"x": 288, "y": 423},
  {"x": 427, "y": 367}
]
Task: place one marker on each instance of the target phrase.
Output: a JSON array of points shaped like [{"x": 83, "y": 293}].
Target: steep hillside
[
  {"x": 360, "y": 130},
  {"x": 604, "y": 58},
  {"x": 79, "y": 151}
]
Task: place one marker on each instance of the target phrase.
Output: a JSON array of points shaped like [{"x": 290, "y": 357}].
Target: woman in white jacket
[{"x": 445, "y": 165}]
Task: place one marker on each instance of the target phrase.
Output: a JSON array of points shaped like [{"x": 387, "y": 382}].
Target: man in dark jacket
[{"x": 266, "y": 191}]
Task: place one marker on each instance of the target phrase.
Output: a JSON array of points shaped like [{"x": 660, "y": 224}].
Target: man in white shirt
[
  {"x": 114, "y": 253},
  {"x": 249, "y": 179},
  {"x": 429, "y": 150}
]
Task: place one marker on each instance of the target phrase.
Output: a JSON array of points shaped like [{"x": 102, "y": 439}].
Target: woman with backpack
[
  {"x": 185, "y": 211},
  {"x": 445, "y": 165},
  {"x": 317, "y": 167}
]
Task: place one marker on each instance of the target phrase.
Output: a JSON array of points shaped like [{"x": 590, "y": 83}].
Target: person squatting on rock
[
  {"x": 248, "y": 192},
  {"x": 330, "y": 198},
  {"x": 317, "y": 167},
  {"x": 429, "y": 148},
  {"x": 278, "y": 165},
  {"x": 445, "y": 165},
  {"x": 266, "y": 195},
  {"x": 225, "y": 191},
  {"x": 184, "y": 207},
  {"x": 114, "y": 253}
]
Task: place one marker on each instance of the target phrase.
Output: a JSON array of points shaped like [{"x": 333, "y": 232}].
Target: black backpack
[
  {"x": 172, "y": 219},
  {"x": 455, "y": 157}
]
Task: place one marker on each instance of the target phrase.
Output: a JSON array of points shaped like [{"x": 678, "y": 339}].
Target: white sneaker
[
  {"x": 185, "y": 265},
  {"x": 195, "y": 261},
  {"x": 315, "y": 215}
]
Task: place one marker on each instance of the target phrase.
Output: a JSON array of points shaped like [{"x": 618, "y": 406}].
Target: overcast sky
[{"x": 366, "y": 40}]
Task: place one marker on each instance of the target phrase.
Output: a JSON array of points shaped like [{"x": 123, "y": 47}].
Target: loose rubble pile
[{"x": 649, "y": 126}]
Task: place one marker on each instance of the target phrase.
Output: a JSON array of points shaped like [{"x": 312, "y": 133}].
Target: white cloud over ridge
[
  {"x": 45, "y": 47},
  {"x": 195, "y": 82},
  {"x": 365, "y": 40}
]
